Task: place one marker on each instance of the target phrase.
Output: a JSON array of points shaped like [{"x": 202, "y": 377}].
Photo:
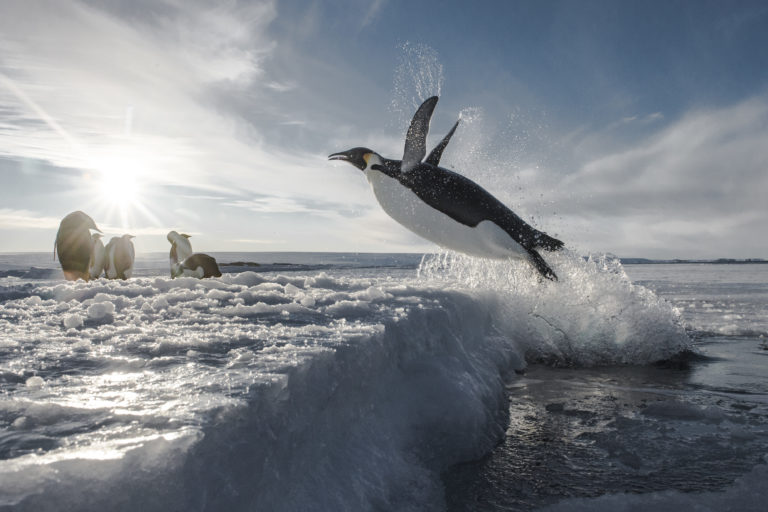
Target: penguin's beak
[
  {"x": 352, "y": 156},
  {"x": 339, "y": 156}
]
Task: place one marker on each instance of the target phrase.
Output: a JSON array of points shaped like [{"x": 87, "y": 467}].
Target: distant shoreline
[
  {"x": 719, "y": 261},
  {"x": 232, "y": 256}
]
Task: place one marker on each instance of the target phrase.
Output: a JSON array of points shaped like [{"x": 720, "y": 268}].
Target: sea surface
[{"x": 330, "y": 381}]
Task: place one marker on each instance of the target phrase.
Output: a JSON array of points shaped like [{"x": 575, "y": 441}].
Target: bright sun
[
  {"x": 118, "y": 186},
  {"x": 119, "y": 189}
]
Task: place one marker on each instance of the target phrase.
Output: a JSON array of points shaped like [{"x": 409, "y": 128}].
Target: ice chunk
[
  {"x": 100, "y": 310},
  {"x": 35, "y": 382},
  {"x": 291, "y": 290},
  {"x": 159, "y": 303},
  {"x": 34, "y": 300},
  {"x": 72, "y": 321}
]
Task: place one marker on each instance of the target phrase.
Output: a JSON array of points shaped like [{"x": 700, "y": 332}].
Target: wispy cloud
[
  {"x": 255, "y": 241},
  {"x": 696, "y": 185},
  {"x": 373, "y": 11},
  {"x": 165, "y": 66},
  {"x": 655, "y": 116},
  {"x": 168, "y": 91},
  {"x": 295, "y": 205},
  {"x": 26, "y": 219}
]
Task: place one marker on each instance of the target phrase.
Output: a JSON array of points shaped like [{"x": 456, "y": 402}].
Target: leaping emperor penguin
[{"x": 443, "y": 206}]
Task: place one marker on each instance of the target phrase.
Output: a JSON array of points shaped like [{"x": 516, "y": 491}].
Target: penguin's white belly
[
  {"x": 198, "y": 272},
  {"x": 112, "y": 270},
  {"x": 183, "y": 250},
  {"x": 486, "y": 240},
  {"x": 98, "y": 258}
]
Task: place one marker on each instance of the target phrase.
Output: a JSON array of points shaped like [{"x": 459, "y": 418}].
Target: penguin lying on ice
[
  {"x": 120, "y": 257},
  {"x": 74, "y": 245},
  {"x": 445, "y": 207},
  {"x": 198, "y": 265}
]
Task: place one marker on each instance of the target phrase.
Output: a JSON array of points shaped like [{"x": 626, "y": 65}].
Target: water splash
[
  {"x": 593, "y": 315},
  {"x": 418, "y": 75}
]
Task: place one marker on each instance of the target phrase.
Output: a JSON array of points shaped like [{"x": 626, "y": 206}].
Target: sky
[{"x": 634, "y": 128}]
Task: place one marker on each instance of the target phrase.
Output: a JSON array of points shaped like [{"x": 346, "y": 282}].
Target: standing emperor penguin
[
  {"x": 98, "y": 256},
  {"x": 74, "y": 245},
  {"x": 120, "y": 257},
  {"x": 181, "y": 249},
  {"x": 445, "y": 207}
]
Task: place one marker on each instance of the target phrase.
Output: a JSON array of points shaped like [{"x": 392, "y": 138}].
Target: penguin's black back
[
  {"x": 466, "y": 202},
  {"x": 210, "y": 267},
  {"x": 74, "y": 244}
]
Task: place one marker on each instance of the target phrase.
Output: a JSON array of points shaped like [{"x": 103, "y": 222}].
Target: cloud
[
  {"x": 254, "y": 241},
  {"x": 281, "y": 86},
  {"x": 655, "y": 116},
  {"x": 373, "y": 11},
  {"x": 293, "y": 205},
  {"x": 162, "y": 64},
  {"x": 695, "y": 186},
  {"x": 112, "y": 230},
  {"x": 175, "y": 93},
  {"x": 26, "y": 219}
]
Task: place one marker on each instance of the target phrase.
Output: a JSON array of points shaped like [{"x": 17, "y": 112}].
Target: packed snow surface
[{"x": 316, "y": 390}]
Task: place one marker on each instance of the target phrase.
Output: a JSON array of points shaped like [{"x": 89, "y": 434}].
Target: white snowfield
[{"x": 290, "y": 392}]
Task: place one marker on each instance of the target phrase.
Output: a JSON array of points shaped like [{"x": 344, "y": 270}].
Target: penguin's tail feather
[{"x": 542, "y": 265}]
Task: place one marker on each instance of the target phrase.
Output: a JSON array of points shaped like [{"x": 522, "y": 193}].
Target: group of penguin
[
  {"x": 84, "y": 256},
  {"x": 437, "y": 204}
]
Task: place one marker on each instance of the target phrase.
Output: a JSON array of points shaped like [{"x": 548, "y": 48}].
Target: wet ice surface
[
  {"x": 160, "y": 394},
  {"x": 714, "y": 299},
  {"x": 579, "y": 433},
  {"x": 669, "y": 436}
]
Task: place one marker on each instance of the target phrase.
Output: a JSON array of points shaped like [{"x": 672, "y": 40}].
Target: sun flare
[
  {"x": 118, "y": 189},
  {"x": 119, "y": 192}
]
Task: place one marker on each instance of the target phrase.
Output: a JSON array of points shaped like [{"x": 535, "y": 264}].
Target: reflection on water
[
  {"x": 587, "y": 432},
  {"x": 591, "y": 431}
]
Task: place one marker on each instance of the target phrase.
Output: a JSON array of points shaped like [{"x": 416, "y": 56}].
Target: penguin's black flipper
[
  {"x": 434, "y": 156},
  {"x": 416, "y": 138}
]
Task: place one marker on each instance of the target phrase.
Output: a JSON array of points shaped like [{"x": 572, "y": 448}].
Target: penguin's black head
[
  {"x": 356, "y": 156},
  {"x": 78, "y": 220}
]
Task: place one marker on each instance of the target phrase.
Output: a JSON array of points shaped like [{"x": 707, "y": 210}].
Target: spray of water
[
  {"x": 418, "y": 75},
  {"x": 593, "y": 315}
]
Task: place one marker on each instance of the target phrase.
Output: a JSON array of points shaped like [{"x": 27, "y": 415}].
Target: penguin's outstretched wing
[
  {"x": 416, "y": 138},
  {"x": 434, "y": 156}
]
